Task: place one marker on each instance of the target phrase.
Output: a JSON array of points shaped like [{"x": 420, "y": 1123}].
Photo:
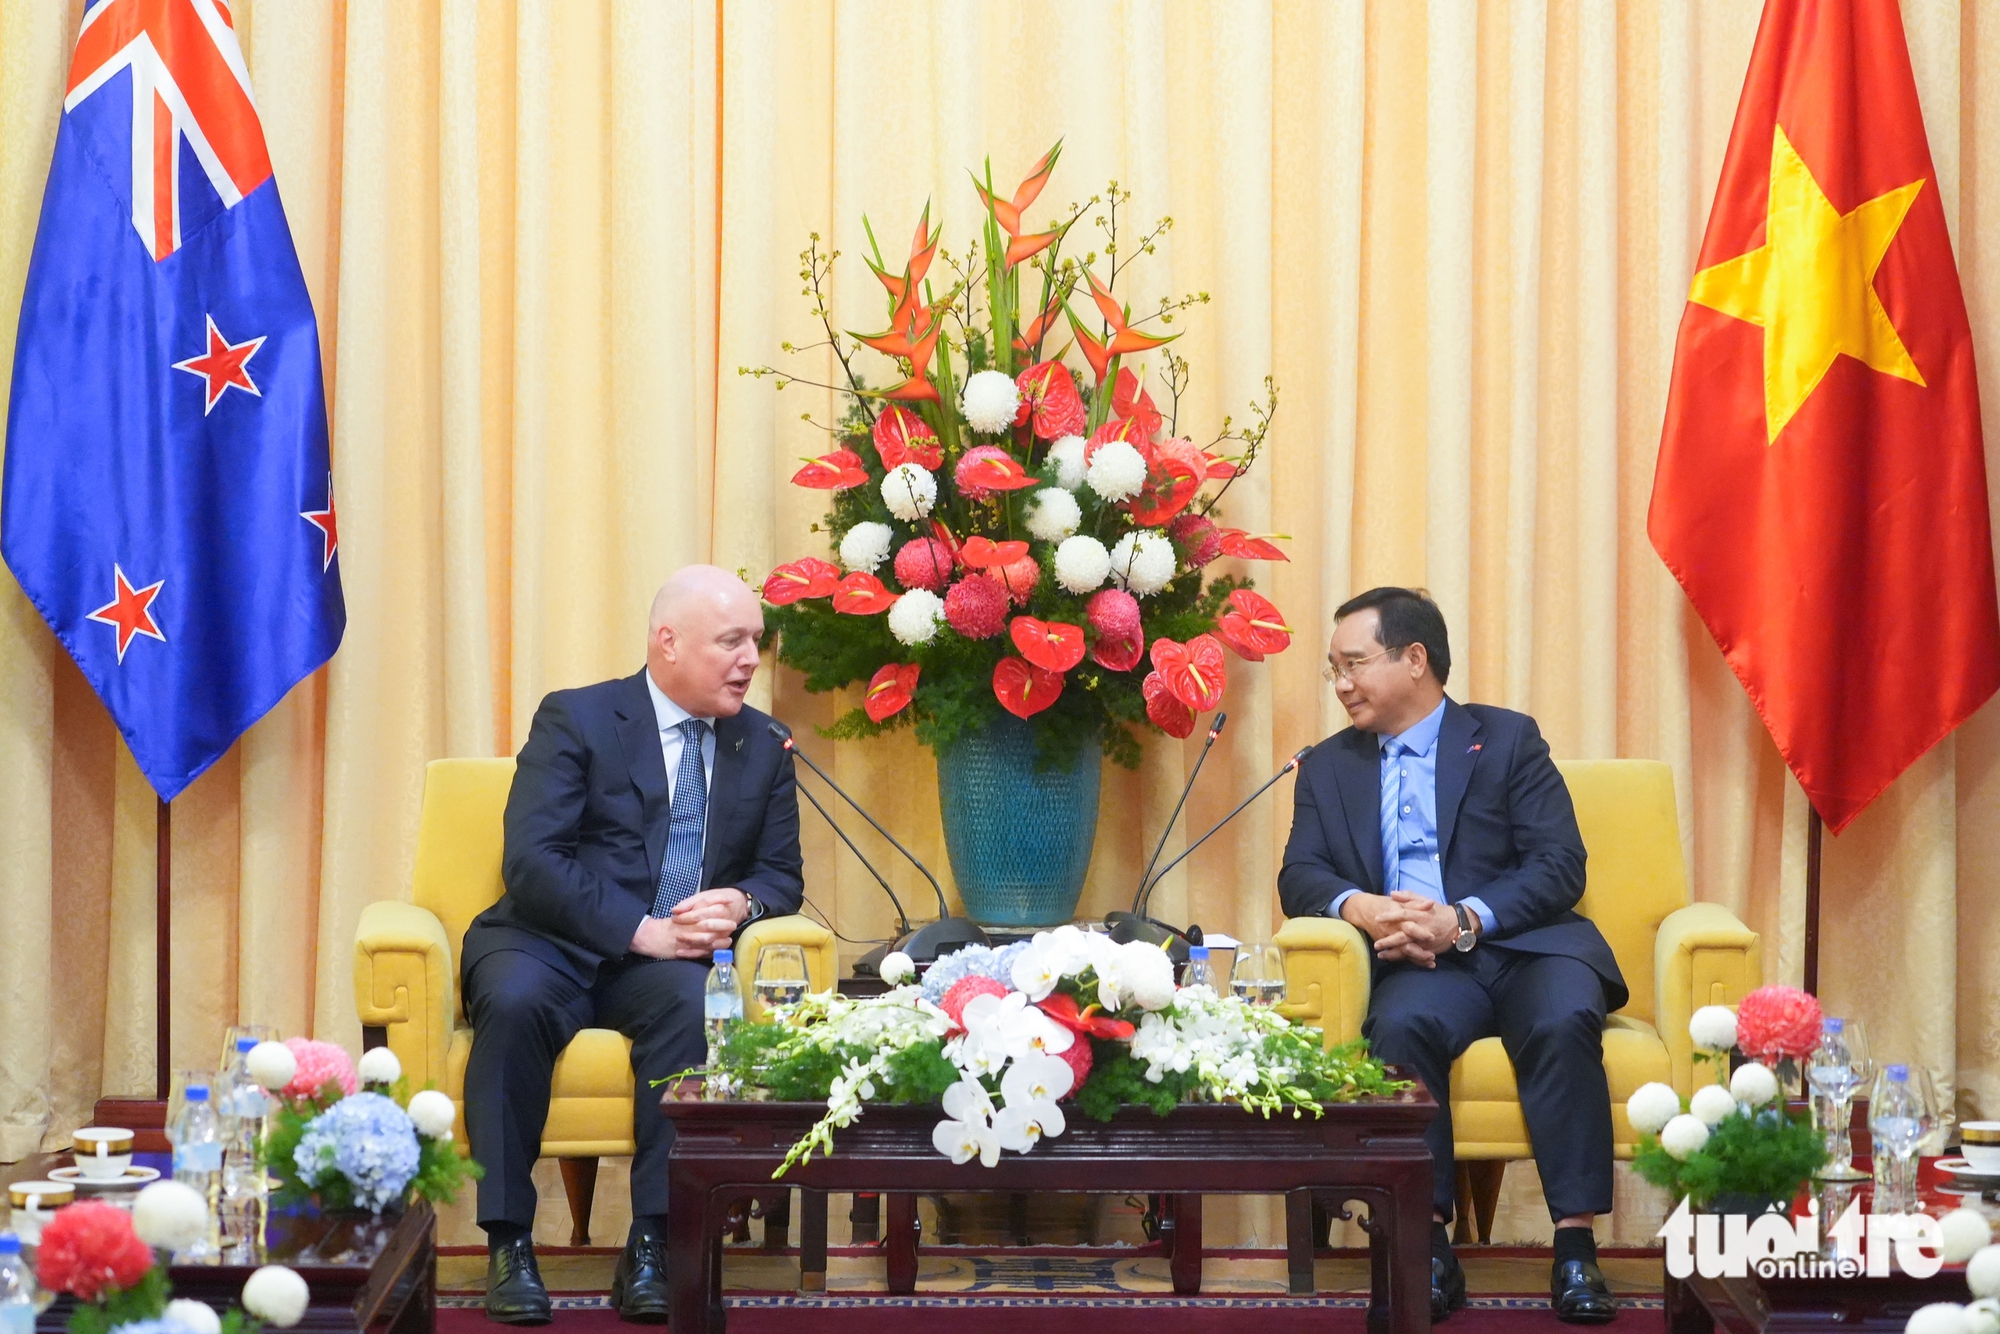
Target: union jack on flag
[{"x": 179, "y": 538}]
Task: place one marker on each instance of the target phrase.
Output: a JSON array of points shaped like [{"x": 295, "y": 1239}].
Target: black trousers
[
  {"x": 1548, "y": 1011},
  {"x": 523, "y": 1013}
]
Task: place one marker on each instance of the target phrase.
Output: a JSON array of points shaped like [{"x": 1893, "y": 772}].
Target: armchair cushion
[{"x": 1486, "y": 1106}]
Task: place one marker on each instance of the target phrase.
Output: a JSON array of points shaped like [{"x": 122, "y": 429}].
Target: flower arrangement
[
  {"x": 114, "y": 1264},
  {"x": 1004, "y": 1038},
  {"x": 1012, "y": 536},
  {"x": 368, "y": 1143},
  {"x": 1776, "y": 1023}
]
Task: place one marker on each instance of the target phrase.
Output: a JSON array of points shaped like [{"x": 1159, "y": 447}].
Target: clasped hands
[
  {"x": 697, "y": 927},
  {"x": 1403, "y": 924}
]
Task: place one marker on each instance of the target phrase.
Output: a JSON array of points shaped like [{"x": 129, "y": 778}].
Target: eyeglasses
[{"x": 1344, "y": 671}]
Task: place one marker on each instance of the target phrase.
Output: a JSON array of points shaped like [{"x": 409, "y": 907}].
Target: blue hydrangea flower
[
  {"x": 972, "y": 961},
  {"x": 367, "y": 1139}
]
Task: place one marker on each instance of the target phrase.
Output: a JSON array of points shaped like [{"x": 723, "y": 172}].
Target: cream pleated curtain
[{"x": 542, "y": 236}]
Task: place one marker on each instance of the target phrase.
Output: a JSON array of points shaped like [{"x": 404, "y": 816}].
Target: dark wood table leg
[
  {"x": 812, "y": 1240},
  {"x": 778, "y": 1220},
  {"x": 866, "y": 1218},
  {"x": 901, "y": 1227},
  {"x": 688, "y": 1211},
  {"x": 1299, "y": 1242},
  {"x": 1406, "y": 1218},
  {"x": 1185, "y": 1262},
  {"x": 1685, "y": 1313},
  {"x": 1377, "y": 1228}
]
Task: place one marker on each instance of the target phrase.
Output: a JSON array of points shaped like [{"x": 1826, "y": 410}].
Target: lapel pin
[
  {"x": 1477, "y": 745},
  {"x": 739, "y": 745}
]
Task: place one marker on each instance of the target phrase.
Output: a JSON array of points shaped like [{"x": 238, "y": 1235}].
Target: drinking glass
[
  {"x": 255, "y": 1032},
  {"x": 1837, "y": 1070},
  {"x": 781, "y": 977},
  {"x": 1258, "y": 975},
  {"x": 1902, "y": 1113}
]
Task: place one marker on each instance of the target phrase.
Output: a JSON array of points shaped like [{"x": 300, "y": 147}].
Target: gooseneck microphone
[
  {"x": 1214, "y": 731},
  {"x": 902, "y": 918},
  {"x": 1269, "y": 783}
]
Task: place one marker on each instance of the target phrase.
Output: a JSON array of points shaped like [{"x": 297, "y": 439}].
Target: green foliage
[
  {"x": 144, "y": 1300},
  {"x": 1767, "y": 1155},
  {"x": 442, "y": 1171}
]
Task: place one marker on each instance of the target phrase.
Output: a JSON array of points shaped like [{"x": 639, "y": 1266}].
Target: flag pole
[
  {"x": 1815, "y": 828},
  {"x": 163, "y": 958}
]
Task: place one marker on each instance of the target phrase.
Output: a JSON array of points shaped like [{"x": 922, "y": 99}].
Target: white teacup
[
  {"x": 102, "y": 1152},
  {"x": 1980, "y": 1141},
  {"x": 30, "y": 1205}
]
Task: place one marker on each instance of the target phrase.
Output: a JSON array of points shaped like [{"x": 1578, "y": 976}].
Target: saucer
[
  {"x": 134, "y": 1176},
  {"x": 1965, "y": 1171}
]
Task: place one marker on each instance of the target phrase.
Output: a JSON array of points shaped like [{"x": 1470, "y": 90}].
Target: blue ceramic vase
[{"x": 1019, "y": 837}]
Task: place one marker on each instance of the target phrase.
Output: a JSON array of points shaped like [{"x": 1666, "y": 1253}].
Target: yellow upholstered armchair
[
  {"x": 1677, "y": 956},
  {"x": 406, "y": 978}
]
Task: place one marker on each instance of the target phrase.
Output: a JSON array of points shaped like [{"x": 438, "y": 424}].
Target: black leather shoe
[
  {"x": 514, "y": 1291},
  {"x": 639, "y": 1283},
  {"x": 1447, "y": 1284},
  {"x": 1579, "y": 1294}
]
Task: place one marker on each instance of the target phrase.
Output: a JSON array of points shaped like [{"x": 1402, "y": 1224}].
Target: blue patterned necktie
[
  {"x": 1392, "y": 804},
  {"x": 680, "y": 866}
]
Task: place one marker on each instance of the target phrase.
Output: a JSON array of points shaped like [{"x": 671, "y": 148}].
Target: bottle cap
[
  {"x": 1831, "y": 1025},
  {"x": 245, "y": 1044},
  {"x": 1197, "y": 952},
  {"x": 1899, "y": 1074},
  {"x": 9, "y": 1244},
  {"x": 196, "y": 1093},
  {"x": 725, "y": 956}
]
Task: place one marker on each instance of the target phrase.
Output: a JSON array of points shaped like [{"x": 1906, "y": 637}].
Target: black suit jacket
[
  {"x": 586, "y": 826},
  {"x": 1506, "y": 834}
]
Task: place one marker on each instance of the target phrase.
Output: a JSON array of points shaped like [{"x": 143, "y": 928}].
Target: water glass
[
  {"x": 781, "y": 977},
  {"x": 255, "y": 1032},
  {"x": 1258, "y": 975},
  {"x": 1837, "y": 1070},
  {"x": 1902, "y": 1113}
]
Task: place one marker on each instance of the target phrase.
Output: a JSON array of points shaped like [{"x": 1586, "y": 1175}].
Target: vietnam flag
[{"x": 1821, "y": 492}]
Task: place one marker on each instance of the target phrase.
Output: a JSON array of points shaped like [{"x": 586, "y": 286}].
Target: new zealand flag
[{"x": 168, "y": 502}]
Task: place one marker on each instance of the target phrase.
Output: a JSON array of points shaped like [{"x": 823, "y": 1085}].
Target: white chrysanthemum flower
[
  {"x": 916, "y": 616},
  {"x": 1067, "y": 455},
  {"x": 1712, "y": 1103},
  {"x": 272, "y": 1064},
  {"x": 1651, "y": 1106},
  {"x": 378, "y": 1065},
  {"x": 1683, "y": 1136},
  {"x": 1713, "y": 1028},
  {"x": 989, "y": 401},
  {"x": 1139, "y": 974},
  {"x": 432, "y": 1113},
  {"x": 1143, "y": 562},
  {"x": 866, "y": 545},
  {"x": 170, "y": 1216},
  {"x": 1940, "y": 1318},
  {"x": 1966, "y": 1233},
  {"x": 276, "y": 1295},
  {"x": 193, "y": 1316},
  {"x": 897, "y": 968},
  {"x": 909, "y": 491},
  {"x": 1753, "y": 1085},
  {"x": 1985, "y": 1313},
  {"x": 1053, "y": 514},
  {"x": 1116, "y": 471},
  {"x": 1082, "y": 564},
  {"x": 1982, "y": 1272}
]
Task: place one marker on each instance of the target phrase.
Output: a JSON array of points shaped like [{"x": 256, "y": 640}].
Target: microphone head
[
  {"x": 1299, "y": 758},
  {"x": 1215, "y": 726},
  {"x": 782, "y": 732}
]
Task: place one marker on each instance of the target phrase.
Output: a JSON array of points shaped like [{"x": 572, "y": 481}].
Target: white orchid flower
[
  {"x": 961, "y": 1141},
  {"x": 1031, "y": 1087},
  {"x": 1014, "y": 1025},
  {"x": 968, "y": 1100},
  {"x": 1036, "y": 972}
]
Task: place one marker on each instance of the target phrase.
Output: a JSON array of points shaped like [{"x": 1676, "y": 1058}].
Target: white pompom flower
[
  {"x": 1713, "y": 1028},
  {"x": 193, "y": 1316},
  {"x": 1982, "y": 1272},
  {"x": 1651, "y": 1106},
  {"x": 1067, "y": 455},
  {"x": 1985, "y": 1313},
  {"x": 915, "y": 617},
  {"x": 1712, "y": 1103},
  {"x": 170, "y": 1216},
  {"x": 1053, "y": 514},
  {"x": 1966, "y": 1233},
  {"x": 1082, "y": 564},
  {"x": 1940, "y": 1318},
  {"x": 277, "y": 1296},
  {"x": 1683, "y": 1136},
  {"x": 433, "y": 1114},
  {"x": 1116, "y": 471},
  {"x": 378, "y": 1065},
  {"x": 897, "y": 968},
  {"x": 989, "y": 401},
  {"x": 272, "y": 1064},
  {"x": 909, "y": 491},
  {"x": 866, "y": 545},
  {"x": 1143, "y": 562},
  {"x": 1753, "y": 1085}
]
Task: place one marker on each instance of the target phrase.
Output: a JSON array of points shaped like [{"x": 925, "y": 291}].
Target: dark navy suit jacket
[
  {"x": 586, "y": 826},
  {"x": 1506, "y": 833}
]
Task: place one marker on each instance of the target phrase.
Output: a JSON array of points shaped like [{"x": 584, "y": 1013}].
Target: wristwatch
[{"x": 1467, "y": 929}]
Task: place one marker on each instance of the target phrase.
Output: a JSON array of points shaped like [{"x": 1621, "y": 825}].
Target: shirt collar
[
  {"x": 669, "y": 714},
  {"x": 1417, "y": 739}
]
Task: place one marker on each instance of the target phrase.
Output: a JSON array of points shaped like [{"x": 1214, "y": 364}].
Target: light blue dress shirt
[{"x": 1409, "y": 818}]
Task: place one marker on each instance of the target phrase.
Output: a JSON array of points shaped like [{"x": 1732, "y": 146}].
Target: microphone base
[
  {"x": 927, "y": 944},
  {"x": 1125, "y": 926}
]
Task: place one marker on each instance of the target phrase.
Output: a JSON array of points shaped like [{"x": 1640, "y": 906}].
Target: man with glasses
[{"x": 1444, "y": 833}]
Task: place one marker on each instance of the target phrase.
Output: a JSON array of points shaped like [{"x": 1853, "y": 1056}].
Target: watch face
[{"x": 1464, "y": 942}]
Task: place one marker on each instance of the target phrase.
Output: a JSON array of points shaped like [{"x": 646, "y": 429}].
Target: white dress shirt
[{"x": 671, "y": 716}]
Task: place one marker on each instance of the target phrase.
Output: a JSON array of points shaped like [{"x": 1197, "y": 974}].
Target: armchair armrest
[
  {"x": 404, "y": 981},
  {"x": 817, "y": 943},
  {"x": 1702, "y": 956},
  {"x": 1326, "y": 975}
]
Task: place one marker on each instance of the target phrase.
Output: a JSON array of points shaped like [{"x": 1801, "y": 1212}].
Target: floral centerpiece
[
  {"x": 355, "y": 1139},
  {"x": 115, "y": 1264},
  {"x": 1734, "y": 1148},
  {"x": 1003, "y": 1038}
]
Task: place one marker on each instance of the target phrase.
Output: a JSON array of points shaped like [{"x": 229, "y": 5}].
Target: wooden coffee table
[
  {"x": 1371, "y": 1152},
  {"x": 377, "y": 1274}
]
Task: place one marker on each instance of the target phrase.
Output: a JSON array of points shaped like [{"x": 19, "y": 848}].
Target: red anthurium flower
[
  {"x": 1237, "y": 543},
  {"x": 891, "y": 690},
  {"x": 1252, "y": 623},
  {"x": 952, "y": 544},
  {"x": 808, "y": 577},
  {"x": 1061, "y": 1007},
  {"x": 832, "y": 472},
  {"x": 1049, "y": 395},
  {"x": 1218, "y": 467},
  {"x": 1177, "y": 472},
  {"x": 983, "y": 553},
  {"x": 901, "y": 436},
  {"x": 1129, "y": 400},
  {"x": 1024, "y": 689},
  {"x": 1167, "y": 713},
  {"x": 1120, "y": 655},
  {"x": 1008, "y": 213},
  {"x": 1194, "y": 671},
  {"x": 996, "y": 473},
  {"x": 862, "y": 594},
  {"x": 1118, "y": 428},
  {"x": 1055, "y": 646}
]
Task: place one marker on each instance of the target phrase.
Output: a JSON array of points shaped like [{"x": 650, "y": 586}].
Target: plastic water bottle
[
  {"x": 18, "y": 1295},
  {"x": 1899, "y": 1119},
  {"x": 198, "y": 1146},
  {"x": 245, "y": 1111},
  {"x": 1198, "y": 972},
  {"x": 722, "y": 1003}
]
